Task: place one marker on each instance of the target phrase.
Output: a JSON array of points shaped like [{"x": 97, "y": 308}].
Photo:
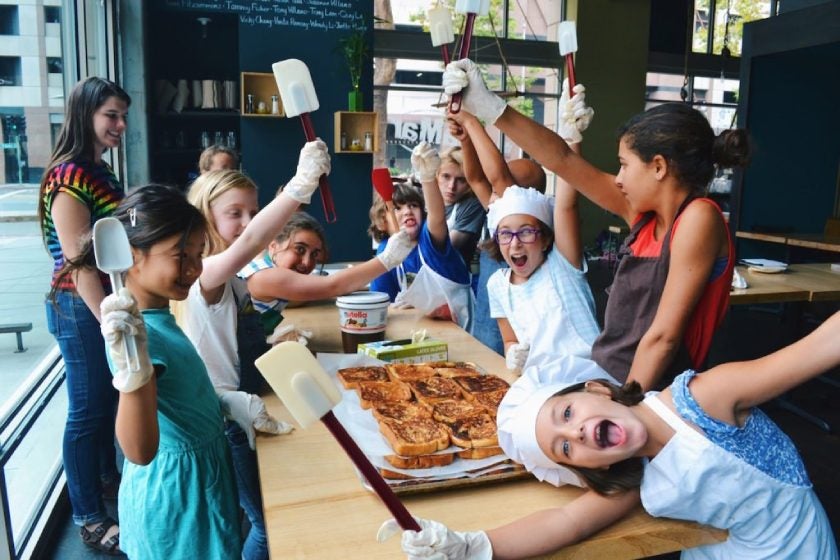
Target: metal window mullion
[{"x": 710, "y": 37}]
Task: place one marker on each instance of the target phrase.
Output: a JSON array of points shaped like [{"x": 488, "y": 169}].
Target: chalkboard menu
[{"x": 304, "y": 15}]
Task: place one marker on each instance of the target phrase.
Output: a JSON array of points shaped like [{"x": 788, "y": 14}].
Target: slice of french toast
[
  {"x": 473, "y": 431},
  {"x": 409, "y": 372},
  {"x": 421, "y": 461},
  {"x": 350, "y": 377},
  {"x": 433, "y": 389},
  {"x": 416, "y": 437},
  {"x": 372, "y": 393}
]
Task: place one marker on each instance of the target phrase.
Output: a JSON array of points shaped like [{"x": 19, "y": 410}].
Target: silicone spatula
[
  {"x": 310, "y": 395},
  {"x": 567, "y": 39},
  {"x": 440, "y": 26},
  {"x": 299, "y": 99},
  {"x": 113, "y": 257},
  {"x": 384, "y": 185},
  {"x": 472, "y": 8}
]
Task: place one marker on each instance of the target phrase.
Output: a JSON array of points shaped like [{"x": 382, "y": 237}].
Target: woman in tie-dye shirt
[{"x": 77, "y": 189}]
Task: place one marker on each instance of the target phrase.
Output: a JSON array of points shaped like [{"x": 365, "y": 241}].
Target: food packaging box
[{"x": 406, "y": 352}]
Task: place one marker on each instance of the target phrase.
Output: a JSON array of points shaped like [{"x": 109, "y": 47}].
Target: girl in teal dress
[{"x": 178, "y": 493}]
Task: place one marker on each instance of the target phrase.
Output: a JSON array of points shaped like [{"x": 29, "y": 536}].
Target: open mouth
[
  {"x": 518, "y": 261},
  {"x": 608, "y": 434}
]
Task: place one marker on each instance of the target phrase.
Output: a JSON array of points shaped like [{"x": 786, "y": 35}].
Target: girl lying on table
[{"x": 698, "y": 451}]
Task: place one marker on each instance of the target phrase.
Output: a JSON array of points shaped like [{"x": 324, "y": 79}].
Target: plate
[{"x": 767, "y": 269}]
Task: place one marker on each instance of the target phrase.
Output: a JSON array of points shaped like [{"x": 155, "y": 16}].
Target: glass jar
[
  {"x": 249, "y": 104},
  {"x": 231, "y": 139},
  {"x": 205, "y": 139},
  {"x": 275, "y": 104},
  {"x": 343, "y": 140},
  {"x": 368, "y": 142}
]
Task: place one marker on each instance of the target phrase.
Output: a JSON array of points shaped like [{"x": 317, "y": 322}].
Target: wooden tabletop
[
  {"x": 316, "y": 507},
  {"x": 807, "y": 240},
  {"x": 800, "y": 282}
]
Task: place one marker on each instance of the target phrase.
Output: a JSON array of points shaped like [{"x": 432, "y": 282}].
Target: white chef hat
[
  {"x": 517, "y": 416},
  {"x": 518, "y": 200}
]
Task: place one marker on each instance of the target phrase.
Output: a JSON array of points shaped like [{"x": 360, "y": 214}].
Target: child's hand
[
  {"x": 425, "y": 161},
  {"x": 120, "y": 317},
  {"x": 249, "y": 412},
  {"x": 517, "y": 355},
  {"x": 436, "y": 541},
  {"x": 463, "y": 75},
  {"x": 289, "y": 332},
  {"x": 457, "y": 131},
  {"x": 314, "y": 161},
  {"x": 399, "y": 246},
  {"x": 575, "y": 116}
]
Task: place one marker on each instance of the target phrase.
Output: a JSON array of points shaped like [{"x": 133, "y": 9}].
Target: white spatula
[
  {"x": 309, "y": 394},
  {"x": 113, "y": 257},
  {"x": 299, "y": 99},
  {"x": 472, "y": 8},
  {"x": 440, "y": 26},
  {"x": 567, "y": 39}
]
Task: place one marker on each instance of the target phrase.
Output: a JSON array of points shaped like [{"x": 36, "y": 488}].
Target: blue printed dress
[
  {"x": 748, "y": 480},
  {"x": 184, "y": 503}
]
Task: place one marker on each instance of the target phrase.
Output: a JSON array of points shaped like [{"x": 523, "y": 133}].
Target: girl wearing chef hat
[{"x": 699, "y": 451}]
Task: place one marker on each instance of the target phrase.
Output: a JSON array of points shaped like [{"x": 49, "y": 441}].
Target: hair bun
[{"x": 731, "y": 148}]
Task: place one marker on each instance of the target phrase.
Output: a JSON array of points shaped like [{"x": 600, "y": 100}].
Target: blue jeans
[
  {"x": 248, "y": 485},
  {"x": 485, "y": 328},
  {"x": 88, "y": 447}
]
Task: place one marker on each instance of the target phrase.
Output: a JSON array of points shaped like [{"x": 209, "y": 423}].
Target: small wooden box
[
  {"x": 355, "y": 125},
  {"x": 262, "y": 86}
]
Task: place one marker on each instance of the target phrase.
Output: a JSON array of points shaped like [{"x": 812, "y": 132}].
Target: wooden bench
[{"x": 16, "y": 328}]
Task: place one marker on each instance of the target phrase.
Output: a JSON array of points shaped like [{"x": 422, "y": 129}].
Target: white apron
[
  {"x": 429, "y": 291},
  {"x": 693, "y": 479}
]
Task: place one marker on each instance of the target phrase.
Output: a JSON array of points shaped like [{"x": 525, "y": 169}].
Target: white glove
[
  {"x": 516, "y": 355},
  {"x": 120, "y": 316},
  {"x": 425, "y": 161},
  {"x": 477, "y": 99},
  {"x": 314, "y": 161},
  {"x": 435, "y": 541},
  {"x": 575, "y": 116},
  {"x": 399, "y": 246},
  {"x": 284, "y": 332},
  {"x": 249, "y": 412}
]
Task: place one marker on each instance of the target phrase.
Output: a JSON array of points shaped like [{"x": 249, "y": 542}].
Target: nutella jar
[{"x": 362, "y": 318}]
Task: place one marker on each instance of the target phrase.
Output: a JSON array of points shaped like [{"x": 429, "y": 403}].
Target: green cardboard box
[{"x": 404, "y": 352}]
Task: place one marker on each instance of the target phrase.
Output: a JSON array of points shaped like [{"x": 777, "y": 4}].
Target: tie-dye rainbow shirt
[{"x": 92, "y": 184}]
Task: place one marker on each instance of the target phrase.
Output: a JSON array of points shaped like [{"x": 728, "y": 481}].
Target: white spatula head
[
  {"x": 480, "y": 7},
  {"x": 440, "y": 25},
  {"x": 295, "y": 85},
  {"x": 567, "y": 37},
  {"x": 111, "y": 247},
  {"x": 300, "y": 382}
]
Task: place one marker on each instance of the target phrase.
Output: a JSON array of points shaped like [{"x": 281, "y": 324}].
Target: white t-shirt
[
  {"x": 212, "y": 330},
  {"x": 553, "y": 311}
]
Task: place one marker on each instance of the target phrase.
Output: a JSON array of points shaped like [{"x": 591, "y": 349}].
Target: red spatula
[
  {"x": 472, "y": 8},
  {"x": 299, "y": 99},
  {"x": 310, "y": 395},
  {"x": 567, "y": 39},
  {"x": 384, "y": 186}
]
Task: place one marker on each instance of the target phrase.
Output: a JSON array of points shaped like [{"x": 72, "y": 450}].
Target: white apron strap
[{"x": 669, "y": 416}]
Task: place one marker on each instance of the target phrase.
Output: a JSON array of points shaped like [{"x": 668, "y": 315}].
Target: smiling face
[
  {"x": 409, "y": 218},
  {"x": 588, "y": 429},
  {"x": 166, "y": 271},
  {"x": 109, "y": 122},
  {"x": 638, "y": 180},
  {"x": 523, "y": 258},
  {"x": 301, "y": 252},
  {"x": 452, "y": 183},
  {"x": 232, "y": 211}
]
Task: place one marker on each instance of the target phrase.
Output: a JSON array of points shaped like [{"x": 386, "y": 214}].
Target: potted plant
[{"x": 355, "y": 50}]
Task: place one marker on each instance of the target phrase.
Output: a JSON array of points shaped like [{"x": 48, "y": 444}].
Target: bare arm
[
  {"x": 548, "y": 530},
  {"x": 492, "y": 162},
  {"x": 508, "y": 336},
  {"x": 473, "y": 172},
  {"x": 553, "y": 153},
  {"x": 283, "y": 283},
  {"x": 694, "y": 247},
  {"x": 435, "y": 213},
  {"x": 137, "y": 426},
  {"x": 567, "y": 221},
  {"x": 72, "y": 223}
]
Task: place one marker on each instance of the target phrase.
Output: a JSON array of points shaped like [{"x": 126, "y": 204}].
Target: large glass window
[{"x": 721, "y": 22}]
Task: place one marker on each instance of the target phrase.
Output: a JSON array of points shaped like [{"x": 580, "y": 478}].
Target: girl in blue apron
[
  {"x": 699, "y": 451},
  {"x": 671, "y": 290}
]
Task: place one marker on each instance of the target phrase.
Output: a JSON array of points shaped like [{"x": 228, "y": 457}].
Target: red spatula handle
[
  {"x": 570, "y": 73},
  {"x": 444, "y": 50},
  {"x": 455, "y": 102},
  {"x": 324, "y": 185},
  {"x": 394, "y": 505}
]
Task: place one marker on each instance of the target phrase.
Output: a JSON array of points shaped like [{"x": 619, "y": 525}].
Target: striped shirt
[{"x": 93, "y": 185}]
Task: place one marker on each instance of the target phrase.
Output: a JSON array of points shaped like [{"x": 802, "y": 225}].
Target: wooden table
[
  {"x": 800, "y": 283},
  {"x": 819, "y": 241},
  {"x": 315, "y": 506}
]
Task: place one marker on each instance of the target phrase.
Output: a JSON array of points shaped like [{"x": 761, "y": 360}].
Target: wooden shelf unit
[
  {"x": 356, "y": 124},
  {"x": 262, "y": 86}
]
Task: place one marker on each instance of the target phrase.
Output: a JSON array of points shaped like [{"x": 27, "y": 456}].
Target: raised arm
[
  {"x": 492, "y": 162},
  {"x": 313, "y": 162},
  {"x": 472, "y": 166},
  {"x": 426, "y": 161},
  {"x": 541, "y": 143},
  {"x": 567, "y": 221}
]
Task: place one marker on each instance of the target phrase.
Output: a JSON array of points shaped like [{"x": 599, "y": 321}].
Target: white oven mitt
[
  {"x": 575, "y": 116},
  {"x": 249, "y": 412},
  {"x": 284, "y": 332},
  {"x": 425, "y": 162},
  {"x": 396, "y": 250},
  {"x": 120, "y": 316},
  {"x": 314, "y": 161},
  {"x": 464, "y": 76},
  {"x": 436, "y": 542},
  {"x": 517, "y": 355}
]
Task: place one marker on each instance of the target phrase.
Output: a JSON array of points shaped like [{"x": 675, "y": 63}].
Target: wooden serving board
[{"x": 510, "y": 471}]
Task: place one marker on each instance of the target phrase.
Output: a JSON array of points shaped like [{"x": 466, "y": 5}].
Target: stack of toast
[{"x": 424, "y": 409}]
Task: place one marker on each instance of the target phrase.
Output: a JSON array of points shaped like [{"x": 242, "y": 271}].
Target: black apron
[
  {"x": 251, "y": 344},
  {"x": 633, "y": 301}
]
